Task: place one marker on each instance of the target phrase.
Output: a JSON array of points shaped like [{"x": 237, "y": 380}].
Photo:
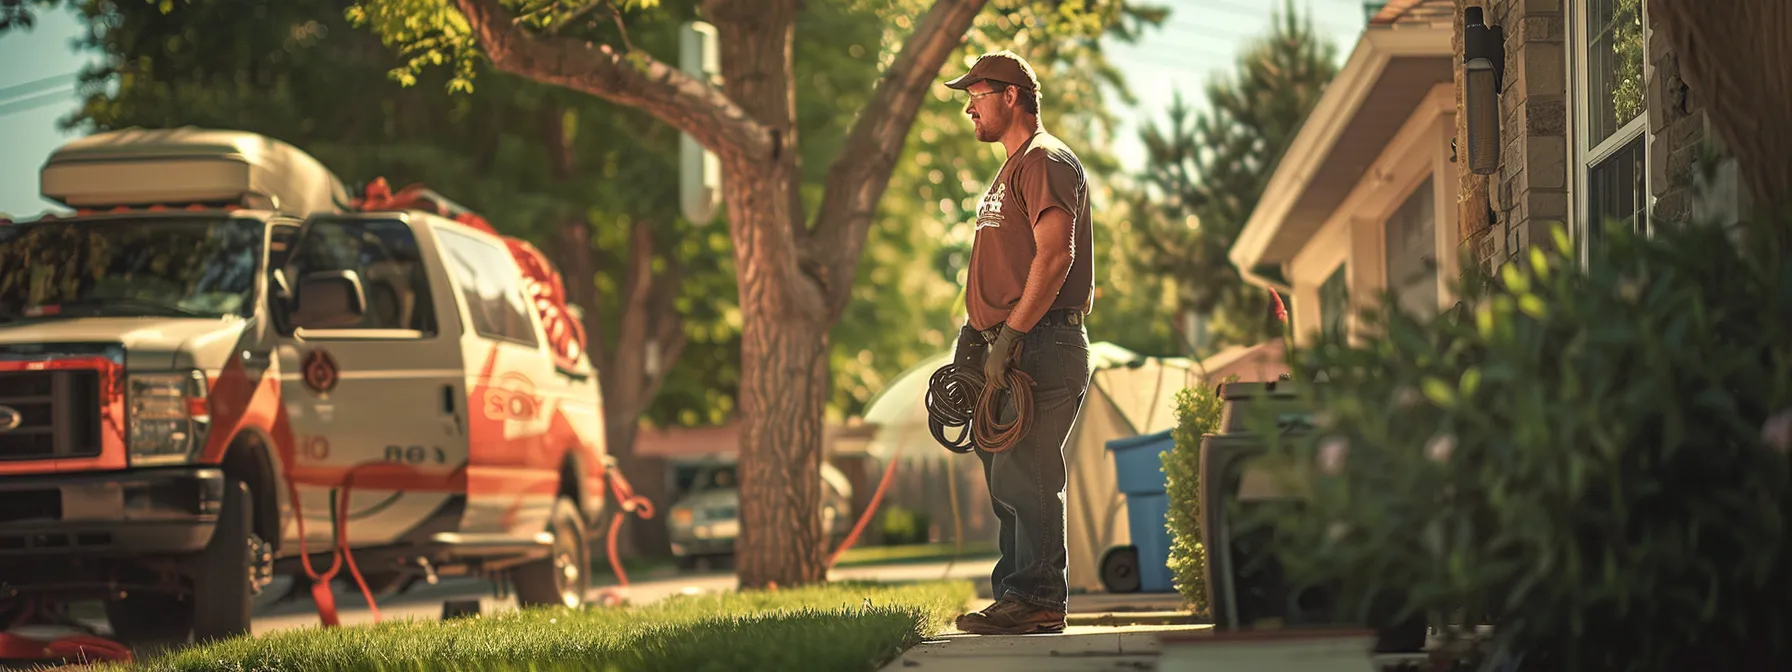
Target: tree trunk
[
  {"x": 784, "y": 382},
  {"x": 784, "y": 344},
  {"x": 1736, "y": 59}
]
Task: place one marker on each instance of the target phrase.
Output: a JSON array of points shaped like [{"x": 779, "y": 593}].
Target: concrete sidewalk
[
  {"x": 1104, "y": 632},
  {"x": 1079, "y": 648}
]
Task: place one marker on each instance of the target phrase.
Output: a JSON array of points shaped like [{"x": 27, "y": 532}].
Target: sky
[{"x": 1201, "y": 37}]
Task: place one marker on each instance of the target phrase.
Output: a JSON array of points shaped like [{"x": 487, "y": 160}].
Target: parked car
[{"x": 705, "y": 522}]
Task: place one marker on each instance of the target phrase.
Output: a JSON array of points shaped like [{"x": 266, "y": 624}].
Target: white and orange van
[{"x": 225, "y": 366}]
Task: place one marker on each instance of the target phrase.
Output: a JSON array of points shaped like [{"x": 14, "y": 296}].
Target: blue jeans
[{"x": 1027, "y": 482}]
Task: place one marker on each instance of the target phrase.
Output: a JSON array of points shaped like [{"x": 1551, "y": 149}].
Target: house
[
  {"x": 1595, "y": 125},
  {"x": 1363, "y": 198}
]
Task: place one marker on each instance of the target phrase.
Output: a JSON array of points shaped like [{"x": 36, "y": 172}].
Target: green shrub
[
  {"x": 1581, "y": 455},
  {"x": 905, "y": 526},
  {"x": 1197, "y": 414}
]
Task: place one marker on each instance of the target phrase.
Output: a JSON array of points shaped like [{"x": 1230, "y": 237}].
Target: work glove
[{"x": 995, "y": 368}]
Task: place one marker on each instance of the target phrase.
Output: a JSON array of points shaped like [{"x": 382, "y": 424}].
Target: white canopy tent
[{"x": 1129, "y": 394}]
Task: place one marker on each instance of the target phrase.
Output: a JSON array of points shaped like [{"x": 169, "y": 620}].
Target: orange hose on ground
[
  {"x": 629, "y": 502},
  {"x": 865, "y": 517}
]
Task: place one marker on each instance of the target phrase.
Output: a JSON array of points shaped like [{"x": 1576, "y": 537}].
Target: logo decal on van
[
  {"x": 320, "y": 371},
  {"x": 512, "y": 397}
]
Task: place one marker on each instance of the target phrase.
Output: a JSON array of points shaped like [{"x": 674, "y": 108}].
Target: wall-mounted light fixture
[{"x": 1484, "y": 66}]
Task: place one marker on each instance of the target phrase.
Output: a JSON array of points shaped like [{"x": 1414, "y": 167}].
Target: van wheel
[
  {"x": 224, "y": 577},
  {"x": 225, "y": 573},
  {"x": 564, "y": 577},
  {"x": 146, "y": 620}
]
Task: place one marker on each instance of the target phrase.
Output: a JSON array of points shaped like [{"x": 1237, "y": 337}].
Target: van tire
[
  {"x": 564, "y": 577},
  {"x": 223, "y": 572},
  {"x": 150, "y": 621},
  {"x": 220, "y": 605}
]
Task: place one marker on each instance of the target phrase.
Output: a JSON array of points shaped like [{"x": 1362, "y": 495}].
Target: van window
[
  {"x": 160, "y": 266},
  {"x": 386, "y": 256},
  {"x": 493, "y": 286}
]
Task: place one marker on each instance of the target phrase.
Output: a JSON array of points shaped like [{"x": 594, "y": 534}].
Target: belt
[
  {"x": 1062, "y": 317},
  {"x": 1056, "y": 317}
]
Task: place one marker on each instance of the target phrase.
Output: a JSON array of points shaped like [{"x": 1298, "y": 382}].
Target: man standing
[{"x": 1030, "y": 286}]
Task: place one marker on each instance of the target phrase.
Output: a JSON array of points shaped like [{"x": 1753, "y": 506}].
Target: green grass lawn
[
  {"x": 940, "y": 552},
  {"x": 840, "y": 626}
]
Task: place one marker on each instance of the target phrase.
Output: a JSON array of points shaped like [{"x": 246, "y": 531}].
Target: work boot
[
  {"x": 1012, "y": 617},
  {"x": 959, "y": 623}
]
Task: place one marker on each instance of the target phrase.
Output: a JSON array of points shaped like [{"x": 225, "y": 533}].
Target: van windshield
[{"x": 129, "y": 267}]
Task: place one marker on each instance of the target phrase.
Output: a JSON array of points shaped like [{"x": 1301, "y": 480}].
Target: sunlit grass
[
  {"x": 933, "y": 552},
  {"x": 841, "y": 626}
]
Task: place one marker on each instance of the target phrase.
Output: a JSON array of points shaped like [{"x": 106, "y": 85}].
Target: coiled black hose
[{"x": 958, "y": 395}]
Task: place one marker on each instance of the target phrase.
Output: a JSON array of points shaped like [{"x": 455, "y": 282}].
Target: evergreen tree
[{"x": 1207, "y": 170}]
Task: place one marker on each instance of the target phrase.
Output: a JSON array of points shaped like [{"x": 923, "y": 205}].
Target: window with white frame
[
  {"x": 1608, "y": 46},
  {"x": 1411, "y": 255},
  {"x": 1334, "y": 306}
]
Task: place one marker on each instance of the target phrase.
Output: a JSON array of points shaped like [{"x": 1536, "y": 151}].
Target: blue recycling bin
[{"x": 1139, "y": 472}]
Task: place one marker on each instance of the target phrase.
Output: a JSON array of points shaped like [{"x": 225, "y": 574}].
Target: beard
[{"x": 990, "y": 127}]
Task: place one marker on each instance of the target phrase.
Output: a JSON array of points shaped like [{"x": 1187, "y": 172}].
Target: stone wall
[
  {"x": 1679, "y": 132},
  {"x": 1530, "y": 193}
]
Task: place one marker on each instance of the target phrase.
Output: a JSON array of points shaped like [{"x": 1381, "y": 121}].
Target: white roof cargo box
[{"x": 135, "y": 166}]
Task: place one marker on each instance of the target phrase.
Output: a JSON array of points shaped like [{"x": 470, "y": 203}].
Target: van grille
[{"x": 56, "y": 414}]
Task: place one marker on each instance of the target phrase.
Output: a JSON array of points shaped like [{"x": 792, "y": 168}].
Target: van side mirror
[{"x": 329, "y": 299}]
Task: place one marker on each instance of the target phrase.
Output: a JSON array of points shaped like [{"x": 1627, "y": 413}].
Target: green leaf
[
  {"x": 1471, "y": 380},
  {"x": 1515, "y": 280},
  {"x": 1439, "y": 392},
  {"x": 1532, "y": 305}
]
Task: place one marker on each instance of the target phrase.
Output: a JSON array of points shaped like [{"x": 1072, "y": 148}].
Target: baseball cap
[{"x": 1000, "y": 66}]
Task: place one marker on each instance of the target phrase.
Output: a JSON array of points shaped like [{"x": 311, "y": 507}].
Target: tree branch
[
  {"x": 672, "y": 341},
  {"x": 859, "y": 176},
  {"x": 685, "y": 102},
  {"x": 637, "y": 288},
  {"x": 562, "y": 22},
  {"x": 616, "y": 14},
  {"x": 581, "y": 288},
  {"x": 666, "y": 327}
]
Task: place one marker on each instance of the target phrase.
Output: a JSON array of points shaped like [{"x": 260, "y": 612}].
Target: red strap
[
  {"x": 631, "y": 502},
  {"x": 79, "y": 648},
  {"x": 87, "y": 647},
  {"x": 320, "y": 583}
]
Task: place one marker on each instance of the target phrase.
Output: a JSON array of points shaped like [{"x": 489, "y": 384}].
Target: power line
[
  {"x": 45, "y": 99},
  {"x": 37, "y": 85},
  {"x": 1210, "y": 30},
  {"x": 1191, "y": 64},
  {"x": 1258, "y": 11}
]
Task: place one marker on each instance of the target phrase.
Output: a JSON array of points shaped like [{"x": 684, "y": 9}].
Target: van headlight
[{"x": 168, "y": 416}]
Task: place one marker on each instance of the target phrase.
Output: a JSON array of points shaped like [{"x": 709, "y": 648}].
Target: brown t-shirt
[{"x": 1043, "y": 175}]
